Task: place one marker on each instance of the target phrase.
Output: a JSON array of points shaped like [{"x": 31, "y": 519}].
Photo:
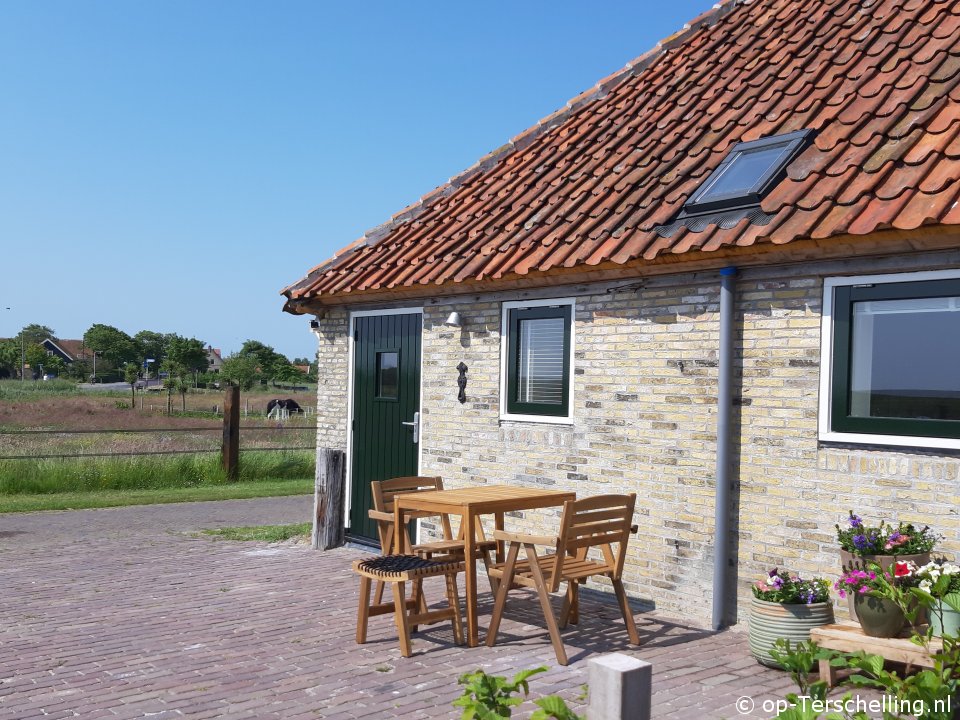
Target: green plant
[
  {"x": 885, "y": 539},
  {"x": 783, "y": 587},
  {"x": 487, "y": 697},
  {"x": 811, "y": 700}
]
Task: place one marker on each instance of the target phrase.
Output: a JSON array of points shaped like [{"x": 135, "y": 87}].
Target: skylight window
[{"x": 747, "y": 173}]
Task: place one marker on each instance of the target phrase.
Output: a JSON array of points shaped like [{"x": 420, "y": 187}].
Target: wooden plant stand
[{"x": 848, "y": 637}]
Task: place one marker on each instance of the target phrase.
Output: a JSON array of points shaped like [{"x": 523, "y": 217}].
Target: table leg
[
  {"x": 501, "y": 546},
  {"x": 470, "y": 556}
]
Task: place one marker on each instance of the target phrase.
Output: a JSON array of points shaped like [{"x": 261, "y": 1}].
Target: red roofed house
[{"x": 736, "y": 258}]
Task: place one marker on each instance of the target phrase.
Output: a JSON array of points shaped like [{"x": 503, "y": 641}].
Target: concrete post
[{"x": 619, "y": 688}]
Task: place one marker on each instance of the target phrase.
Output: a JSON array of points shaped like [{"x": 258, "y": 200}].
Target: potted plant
[
  {"x": 939, "y": 585},
  {"x": 883, "y": 600},
  {"x": 885, "y": 544},
  {"x": 786, "y": 606}
]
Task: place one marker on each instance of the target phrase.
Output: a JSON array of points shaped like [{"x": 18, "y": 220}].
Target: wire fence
[{"x": 154, "y": 431}]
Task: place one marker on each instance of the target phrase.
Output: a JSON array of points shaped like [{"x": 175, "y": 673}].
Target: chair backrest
[
  {"x": 601, "y": 521},
  {"x": 384, "y": 491}
]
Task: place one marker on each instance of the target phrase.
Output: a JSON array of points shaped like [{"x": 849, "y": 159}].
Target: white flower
[
  {"x": 925, "y": 585},
  {"x": 950, "y": 569}
]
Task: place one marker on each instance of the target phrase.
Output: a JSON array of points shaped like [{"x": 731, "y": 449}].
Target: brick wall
[{"x": 645, "y": 421}]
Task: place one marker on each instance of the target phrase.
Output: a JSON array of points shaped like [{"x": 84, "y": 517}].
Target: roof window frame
[{"x": 793, "y": 143}]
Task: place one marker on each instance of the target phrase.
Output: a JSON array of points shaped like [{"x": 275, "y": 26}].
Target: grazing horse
[{"x": 279, "y": 408}]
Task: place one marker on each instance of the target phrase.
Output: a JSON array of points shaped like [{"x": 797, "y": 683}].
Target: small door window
[{"x": 388, "y": 375}]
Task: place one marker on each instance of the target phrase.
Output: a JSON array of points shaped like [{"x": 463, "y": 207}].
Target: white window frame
[
  {"x": 825, "y": 433},
  {"x": 505, "y": 341}
]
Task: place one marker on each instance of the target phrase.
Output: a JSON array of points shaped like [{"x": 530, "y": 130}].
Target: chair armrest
[
  {"x": 380, "y": 515},
  {"x": 528, "y": 539}
]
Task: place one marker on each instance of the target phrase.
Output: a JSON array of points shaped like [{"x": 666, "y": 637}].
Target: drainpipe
[{"x": 721, "y": 543}]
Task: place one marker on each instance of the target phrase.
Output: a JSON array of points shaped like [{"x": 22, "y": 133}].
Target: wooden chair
[
  {"x": 397, "y": 570},
  {"x": 599, "y": 522},
  {"x": 384, "y": 491}
]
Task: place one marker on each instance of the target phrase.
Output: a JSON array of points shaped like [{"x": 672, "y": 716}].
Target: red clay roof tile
[{"x": 877, "y": 80}]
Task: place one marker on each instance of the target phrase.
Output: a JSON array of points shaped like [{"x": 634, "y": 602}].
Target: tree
[
  {"x": 34, "y": 334},
  {"x": 153, "y": 345},
  {"x": 9, "y": 357},
  {"x": 131, "y": 373},
  {"x": 115, "y": 346},
  {"x": 288, "y": 373},
  {"x": 241, "y": 370},
  {"x": 269, "y": 360},
  {"x": 54, "y": 365},
  {"x": 188, "y": 354},
  {"x": 35, "y": 356}
]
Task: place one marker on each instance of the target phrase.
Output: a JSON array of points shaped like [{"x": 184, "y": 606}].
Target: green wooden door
[{"x": 386, "y": 403}]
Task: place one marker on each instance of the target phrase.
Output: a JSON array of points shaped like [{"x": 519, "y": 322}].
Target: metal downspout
[{"x": 721, "y": 543}]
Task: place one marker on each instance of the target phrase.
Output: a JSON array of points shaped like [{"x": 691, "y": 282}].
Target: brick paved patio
[{"x": 121, "y": 613}]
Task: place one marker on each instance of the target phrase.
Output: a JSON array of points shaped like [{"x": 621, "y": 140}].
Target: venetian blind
[{"x": 540, "y": 363}]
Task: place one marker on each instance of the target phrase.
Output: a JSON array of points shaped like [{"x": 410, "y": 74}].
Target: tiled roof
[
  {"x": 878, "y": 81},
  {"x": 76, "y": 348}
]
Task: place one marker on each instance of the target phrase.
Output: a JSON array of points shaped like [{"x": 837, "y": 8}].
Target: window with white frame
[
  {"x": 537, "y": 351},
  {"x": 892, "y": 351}
]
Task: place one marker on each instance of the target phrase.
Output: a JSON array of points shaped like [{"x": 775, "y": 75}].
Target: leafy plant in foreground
[{"x": 488, "y": 697}]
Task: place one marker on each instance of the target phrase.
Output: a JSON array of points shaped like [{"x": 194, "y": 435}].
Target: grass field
[
  {"x": 44, "y": 419},
  {"x": 118, "y": 498}
]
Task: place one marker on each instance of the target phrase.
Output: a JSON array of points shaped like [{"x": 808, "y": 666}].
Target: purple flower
[
  {"x": 774, "y": 572},
  {"x": 777, "y": 582},
  {"x": 855, "y": 521},
  {"x": 861, "y": 542}
]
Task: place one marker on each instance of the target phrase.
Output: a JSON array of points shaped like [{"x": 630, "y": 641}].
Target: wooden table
[
  {"x": 849, "y": 637},
  {"x": 470, "y": 503}
]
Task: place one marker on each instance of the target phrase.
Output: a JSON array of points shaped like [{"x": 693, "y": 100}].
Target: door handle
[{"x": 415, "y": 424}]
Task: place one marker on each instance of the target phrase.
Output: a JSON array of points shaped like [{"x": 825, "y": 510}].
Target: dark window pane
[
  {"x": 904, "y": 359},
  {"x": 742, "y": 173},
  {"x": 540, "y": 364},
  {"x": 388, "y": 375}
]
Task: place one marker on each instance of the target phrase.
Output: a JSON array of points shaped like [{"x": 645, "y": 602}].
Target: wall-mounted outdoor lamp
[
  {"x": 462, "y": 382},
  {"x": 454, "y": 320}
]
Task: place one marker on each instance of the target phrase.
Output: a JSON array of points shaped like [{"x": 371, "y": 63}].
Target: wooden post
[
  {"x": 328, "y": 499},
  {"x": 230, "y": 453}
]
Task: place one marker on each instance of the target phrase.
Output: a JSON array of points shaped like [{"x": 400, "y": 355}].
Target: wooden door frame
[{"x": 348, "y": 490}]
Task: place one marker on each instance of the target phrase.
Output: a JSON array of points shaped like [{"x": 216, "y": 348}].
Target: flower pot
[
  {"x": 849, "y": 561},
  {"x": 951, "y": 620},
  {"x": 879, "y": 617},
  {"x": 770, "y": 621}
]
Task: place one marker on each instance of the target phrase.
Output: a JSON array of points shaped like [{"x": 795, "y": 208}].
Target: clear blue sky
[{"x": 172, "y": 165}]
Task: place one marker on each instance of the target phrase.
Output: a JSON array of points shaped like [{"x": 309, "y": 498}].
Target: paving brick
[{"x": 138, "y": 624}]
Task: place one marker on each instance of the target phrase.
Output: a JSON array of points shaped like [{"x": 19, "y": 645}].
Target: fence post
[
  {"x": 620, "y": 688},
  {"x": 230, "y": 453},
  {"x": 328, "y": 499}
]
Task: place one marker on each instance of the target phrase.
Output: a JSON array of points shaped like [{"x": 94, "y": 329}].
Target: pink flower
[{"x": 864, "y": 590}]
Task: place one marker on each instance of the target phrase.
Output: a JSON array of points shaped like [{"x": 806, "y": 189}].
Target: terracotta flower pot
[
  {"x": 849, "y": 561},
  {"x": 879, "y": 617},
  {"x": 770, "y": 621}
]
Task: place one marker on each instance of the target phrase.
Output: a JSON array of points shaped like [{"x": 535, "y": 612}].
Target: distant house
[
  {"x": 214, "y": 359},
  {"x": 756, "y": 222},
  {"x": 305, "y": 369},
  {"x": 67, "y": 350}
]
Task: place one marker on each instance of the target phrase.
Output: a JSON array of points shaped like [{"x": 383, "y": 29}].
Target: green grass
[
  {"x": 110, "y": 482},
  {"x": 30, "y": 389},
  {"x": 147, "y": 472},
  {"x": 262, "y": 533},
  {"x": 119, "y": 498}
]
